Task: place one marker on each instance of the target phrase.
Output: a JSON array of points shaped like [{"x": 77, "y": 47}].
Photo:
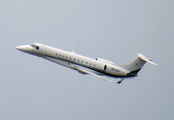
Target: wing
[
  {"x": 87, "y": 72},
  {"x": 74, "y": 51}
]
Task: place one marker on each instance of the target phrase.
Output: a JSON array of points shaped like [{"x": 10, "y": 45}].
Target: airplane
[{"x": 97, "y": 67}]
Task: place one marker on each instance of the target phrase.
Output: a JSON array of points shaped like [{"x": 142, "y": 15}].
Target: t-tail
[{"x": 135, "y": 66}]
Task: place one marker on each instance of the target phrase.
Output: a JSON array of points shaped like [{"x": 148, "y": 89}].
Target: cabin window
[
  {"x": 59, "y": 55},
  {"x": 78, "y": 60},
  {"x": 81, "y": 61},
  {"x": 56, "y": 54},
  {"x": 62, "y": 55},
  {"x": 70, "y": 58},
  {"x": 74, "y": 59},
  {"x": 90, "y": 63},
  {"x": 66, "y": 56},
  {"x": 86, "y": 62},
  {"x": 94, "y": 65}
]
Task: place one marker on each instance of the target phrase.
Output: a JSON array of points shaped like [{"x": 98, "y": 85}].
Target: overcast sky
[{"x": 32, "y": 88}]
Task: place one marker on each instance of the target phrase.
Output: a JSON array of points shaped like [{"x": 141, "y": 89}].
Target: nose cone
[
  {"x": 22, "y": 48},
  {"x": 18, "y": 48}
]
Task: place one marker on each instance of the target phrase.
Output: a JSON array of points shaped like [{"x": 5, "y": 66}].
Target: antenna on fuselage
[{"x": 74, "y": 51}]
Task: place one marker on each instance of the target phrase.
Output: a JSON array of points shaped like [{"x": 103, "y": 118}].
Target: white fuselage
[{"x": 73, "y": 60}]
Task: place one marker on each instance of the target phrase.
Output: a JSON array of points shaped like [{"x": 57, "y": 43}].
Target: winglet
[
  {"x": 142, "y": 57},
  {"x": 74, "y": 51},
  {"x": 120, "y": 81}
]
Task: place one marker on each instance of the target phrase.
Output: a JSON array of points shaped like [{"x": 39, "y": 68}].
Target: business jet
[{"x": 97, "y": 67}]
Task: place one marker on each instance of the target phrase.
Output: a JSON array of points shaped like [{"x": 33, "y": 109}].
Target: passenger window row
[{"x": 70, "y": 58}]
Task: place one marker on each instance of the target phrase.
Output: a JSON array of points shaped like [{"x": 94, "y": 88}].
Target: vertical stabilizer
[{"x": 135, "y": 66}]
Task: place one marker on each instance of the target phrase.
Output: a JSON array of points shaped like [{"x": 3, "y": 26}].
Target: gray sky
[{"x": 32, "y": 88}]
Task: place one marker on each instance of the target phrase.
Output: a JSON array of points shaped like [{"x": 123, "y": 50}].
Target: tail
[{"x": 135, "y": 66}]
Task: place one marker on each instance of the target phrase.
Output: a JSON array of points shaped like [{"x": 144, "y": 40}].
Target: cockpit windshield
[{"x": 35, "y": 46}]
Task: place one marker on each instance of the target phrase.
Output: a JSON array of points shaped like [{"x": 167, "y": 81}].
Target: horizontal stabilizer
[{"x": 142, "y": 57}]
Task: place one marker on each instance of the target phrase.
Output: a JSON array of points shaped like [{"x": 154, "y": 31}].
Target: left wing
[
  {"x": 74, "y": 51},
  {"x": 87, "y": 72}
]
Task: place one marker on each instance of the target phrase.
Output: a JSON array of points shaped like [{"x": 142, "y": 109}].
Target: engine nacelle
[
  {"x": 105, "y": 61},
  {"x": 82, "y": 72}
]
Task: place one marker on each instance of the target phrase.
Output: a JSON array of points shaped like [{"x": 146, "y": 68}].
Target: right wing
[{"x": 87, "y": 72}]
